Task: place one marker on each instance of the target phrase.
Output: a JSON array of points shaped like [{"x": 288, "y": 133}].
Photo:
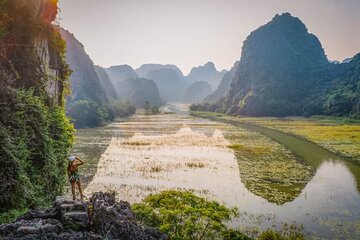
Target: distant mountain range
[
  {"x": 171, "y": 82},
  {"x": 129, "y": 86}
]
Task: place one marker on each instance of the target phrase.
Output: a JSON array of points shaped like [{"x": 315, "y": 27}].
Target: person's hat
[{"x": 71, "y": 158}]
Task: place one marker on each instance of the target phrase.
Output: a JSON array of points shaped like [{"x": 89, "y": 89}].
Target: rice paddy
[
  {"x": 339, "y": 135},
  {"x": 270, "y": 185}
]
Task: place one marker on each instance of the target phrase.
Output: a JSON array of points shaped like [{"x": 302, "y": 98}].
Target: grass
[
  {"x": 267, "y": 168},
  {"x": 338, "y": 135}
]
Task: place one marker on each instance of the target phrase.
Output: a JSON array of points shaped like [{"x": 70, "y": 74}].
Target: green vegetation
[
  {"x": 35, "y": 134},
  {"x": 183, "y": 215},
  {"x": 338, "y": 135},
  {"x": 35, "y": 141},
  {"x": 89, "y": 114},
  {"x": 273, "y": 235},
  {"x": 267, "y": 168},
  {"x": 151, "y": 109}
]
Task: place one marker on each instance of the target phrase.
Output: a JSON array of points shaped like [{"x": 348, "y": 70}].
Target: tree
[{"x": 147, "y": 106}]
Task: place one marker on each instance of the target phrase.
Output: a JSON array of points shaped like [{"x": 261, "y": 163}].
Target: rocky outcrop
[
  {"x": 34, "y": 53},
  {"x": 101, "y": 217}
]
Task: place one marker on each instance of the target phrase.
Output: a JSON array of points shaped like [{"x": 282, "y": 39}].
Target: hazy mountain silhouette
[
  {"x": 120, "y": 73},
  {"x": 106, "y": 83},
  {"x": 207, "y": 73},
  {"x": 129, "y": 86},
  {"x": 138, "y": 91},
  {"x": 223, "y": 87},
  {"x": 170, "y": 84},
  {"x": 197, "y": 91},
  {"x": 145, "y": 69}
]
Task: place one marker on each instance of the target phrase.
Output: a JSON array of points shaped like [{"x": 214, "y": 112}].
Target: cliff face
[
  {"x": 32, "y": 49},
  {"x": 106, "y": 83},
  {"x": 35, "y": 135},
  {"x": 224, "y": 86},
  {"x": 85, "y": 83}
]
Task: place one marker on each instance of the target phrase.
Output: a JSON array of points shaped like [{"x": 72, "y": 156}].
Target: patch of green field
[
  {"x": 338, "y": 135},
  {"x": 267, "y": 168}
]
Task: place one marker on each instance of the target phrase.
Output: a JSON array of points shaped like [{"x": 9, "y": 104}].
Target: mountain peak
[{"x": 210, "y": 65}]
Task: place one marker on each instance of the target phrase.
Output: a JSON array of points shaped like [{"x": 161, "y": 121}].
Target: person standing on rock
[{"x": 74, "y": 177}]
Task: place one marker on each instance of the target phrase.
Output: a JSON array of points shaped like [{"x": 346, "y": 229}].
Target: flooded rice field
[{"x": 273, "y": 184}]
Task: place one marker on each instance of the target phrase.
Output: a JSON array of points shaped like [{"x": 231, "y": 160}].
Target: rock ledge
[{"x": 101, "y": 217}]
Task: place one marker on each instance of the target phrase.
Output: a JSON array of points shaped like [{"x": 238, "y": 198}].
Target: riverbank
[{"x": 338, "y": 135}]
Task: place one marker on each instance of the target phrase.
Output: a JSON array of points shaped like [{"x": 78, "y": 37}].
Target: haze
[{"x": 192, "y": 32}]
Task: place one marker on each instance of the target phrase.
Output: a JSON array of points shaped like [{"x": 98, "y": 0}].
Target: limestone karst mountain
[
  {"x": 284, "y": 71},
  {"x": 171, "y": 85},
  {"x": 145, "y": 69},
  {"x": 129, "y": 87},
  {"x": 223, "y": 87},
  {"x": 196, "y": 92},
  {"x": 106, "y": 83},
  {"x": 207, "y": 73},
  {"x": 120, "y": 73},
  {"x": 138, "y": 91}
]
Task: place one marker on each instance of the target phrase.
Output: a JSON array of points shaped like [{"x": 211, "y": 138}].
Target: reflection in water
[
  {"x": 143, "y": 164},
  {"x": 150, "y": 153}
]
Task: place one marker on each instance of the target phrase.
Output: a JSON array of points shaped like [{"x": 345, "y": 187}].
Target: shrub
[{"x": 183, "y": 215}]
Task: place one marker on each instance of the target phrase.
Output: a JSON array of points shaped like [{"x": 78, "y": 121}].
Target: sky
[{"x": 190, "y": 33}]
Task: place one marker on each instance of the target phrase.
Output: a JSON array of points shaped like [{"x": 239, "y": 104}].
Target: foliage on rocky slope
[{"x": 35, "y": 134}]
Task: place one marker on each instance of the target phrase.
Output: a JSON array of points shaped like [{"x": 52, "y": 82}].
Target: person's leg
[
  {"x": 73, "y": 189},
  {"x": 80, "y": 189}
]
